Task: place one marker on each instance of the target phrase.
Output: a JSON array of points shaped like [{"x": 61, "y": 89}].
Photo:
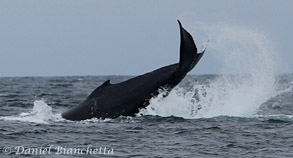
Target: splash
[
  {"x": 41, "y": 113},
  {"x": 248, "y": 57}
]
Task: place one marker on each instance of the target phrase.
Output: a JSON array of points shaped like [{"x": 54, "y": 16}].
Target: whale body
[{"x": 128, "y": 97}]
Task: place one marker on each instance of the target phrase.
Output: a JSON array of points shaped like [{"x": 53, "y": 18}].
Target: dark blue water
[{"x": 207, "y": 116}]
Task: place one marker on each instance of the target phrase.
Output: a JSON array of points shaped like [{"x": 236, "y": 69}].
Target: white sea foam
[
  {"x": 40, "y": 113},
  {"x": 245, "y": 53}
]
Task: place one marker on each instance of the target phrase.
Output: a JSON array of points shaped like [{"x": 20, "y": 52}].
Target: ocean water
[{"x": 205, "y": 116}]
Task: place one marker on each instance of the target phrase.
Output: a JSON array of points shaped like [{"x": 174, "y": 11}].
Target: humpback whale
[{"x": 128, "y": 97}]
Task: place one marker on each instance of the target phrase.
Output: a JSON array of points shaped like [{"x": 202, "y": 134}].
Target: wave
[{"x": 40, "y": 113}]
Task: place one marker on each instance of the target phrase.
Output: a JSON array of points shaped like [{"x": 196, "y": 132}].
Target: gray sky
[{"x": 129, "y": 37}]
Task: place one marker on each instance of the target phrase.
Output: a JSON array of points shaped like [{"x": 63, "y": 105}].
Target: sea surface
[{"x": 204, "y": 116}]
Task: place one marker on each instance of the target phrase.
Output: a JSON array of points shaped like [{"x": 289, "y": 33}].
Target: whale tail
[{"x": 188, "y": 51}]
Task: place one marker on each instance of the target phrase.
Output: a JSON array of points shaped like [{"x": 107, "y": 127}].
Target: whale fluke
[{"x": 188, "y": 51}]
